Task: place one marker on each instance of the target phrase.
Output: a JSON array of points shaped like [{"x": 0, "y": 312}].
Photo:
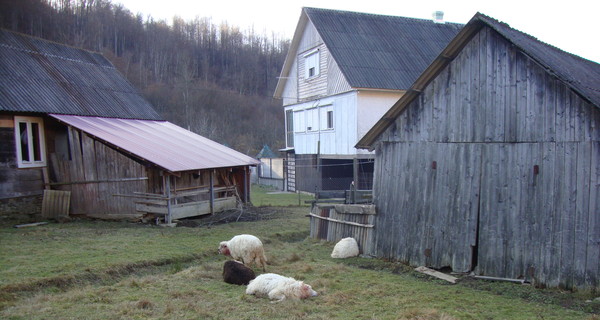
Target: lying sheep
[
  {"x": 279, "y": 288},
  {"x": 235, "y": 272},
  {"x": 345, "y": 248},
  {"x": 246, "y": 248}
]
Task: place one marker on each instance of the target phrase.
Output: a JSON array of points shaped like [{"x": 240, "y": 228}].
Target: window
[
  {"x": 289, "y": 129},
  {"x": 326, "y": 118},
  {"x": 29, "y": 139},
  {"x": 311, "y": 61}
]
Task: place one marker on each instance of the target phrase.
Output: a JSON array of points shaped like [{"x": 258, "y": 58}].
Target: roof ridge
[
  {"x": 378, "y": 15},
  {"x": 485, "y": 17},
  {"x": 56, "y": 56}
]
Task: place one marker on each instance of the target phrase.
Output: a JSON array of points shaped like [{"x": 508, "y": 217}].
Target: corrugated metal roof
[
  {"x": 380, "y": 51},
  {"x": 160, "y": 142},
  {"x": 42, "y": 76},
  {"x": 581, "y": 74}
]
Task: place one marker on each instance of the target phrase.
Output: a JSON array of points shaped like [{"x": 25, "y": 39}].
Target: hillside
[{"x": 215, "y": 80}]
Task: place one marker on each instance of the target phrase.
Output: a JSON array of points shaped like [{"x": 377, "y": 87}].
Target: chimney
[{"x": 438, "y": 17}]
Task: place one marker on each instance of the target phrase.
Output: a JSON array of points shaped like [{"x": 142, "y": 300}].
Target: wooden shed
[
  {"x": 490, "y": 163},
  {"x": 70, "y": 122}
]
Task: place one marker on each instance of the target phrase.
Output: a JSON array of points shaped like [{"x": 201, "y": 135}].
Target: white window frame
[
  {"x": 29, "y": 121},
  {"x": 324, "y": 120},
  {"x": 312, "y": 61}
]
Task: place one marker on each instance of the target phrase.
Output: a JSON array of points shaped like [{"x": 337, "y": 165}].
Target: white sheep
[
  {"x": 246, "y": 248},
  {"x": 279, "y": 288},
  {"x": 345, "y": 248}
]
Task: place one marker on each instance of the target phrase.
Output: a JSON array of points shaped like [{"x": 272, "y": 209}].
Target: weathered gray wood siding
[
  {"x": 495, "y": 168},
  {"x": 94, "y": 174},
  {"x": 15, "y": 182}
]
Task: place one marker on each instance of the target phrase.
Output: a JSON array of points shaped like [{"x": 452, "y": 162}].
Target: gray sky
[{"x": 573, "y": 26}]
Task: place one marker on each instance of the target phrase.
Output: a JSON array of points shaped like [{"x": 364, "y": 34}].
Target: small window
[
  {"x": 312, "y": 64},
  {"x": 29, "y": 140},
  {"x": 326, "y": 122}
]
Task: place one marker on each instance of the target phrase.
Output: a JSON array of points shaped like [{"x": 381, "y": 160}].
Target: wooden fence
[{"x": 333, "y": 222}]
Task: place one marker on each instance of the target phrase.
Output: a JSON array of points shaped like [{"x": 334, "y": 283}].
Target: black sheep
[{"x": 237, "y": 273}]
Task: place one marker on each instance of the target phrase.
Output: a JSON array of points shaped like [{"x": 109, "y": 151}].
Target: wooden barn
[
  {"x": 490, "y": 163},
  {"x": 75, "y": 132}
]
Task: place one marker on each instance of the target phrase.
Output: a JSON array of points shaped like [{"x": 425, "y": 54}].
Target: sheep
[
  {"x": 235, "y": 272},
  {"x": 345, "y": 248},
  {"x": 279, "y": 288},
  {"x": 246, "y": 248}
]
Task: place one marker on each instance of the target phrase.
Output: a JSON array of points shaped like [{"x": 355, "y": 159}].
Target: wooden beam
[
  {"x": 436, "y": 274},
  {"x": 96, "y": 181},
  {"x": 340, "y": 221}
]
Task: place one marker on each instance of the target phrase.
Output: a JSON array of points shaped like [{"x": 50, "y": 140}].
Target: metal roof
[
  {"x": 160, "y": 142},
  {"x": 381, "y": 51},
  {"x": 46, "y": 77},
  {"x": 266, "y": 153},
  {"x": 582, "y": 75}
]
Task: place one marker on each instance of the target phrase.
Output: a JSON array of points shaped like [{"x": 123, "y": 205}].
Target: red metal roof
[{"x": 160, "y": 142}]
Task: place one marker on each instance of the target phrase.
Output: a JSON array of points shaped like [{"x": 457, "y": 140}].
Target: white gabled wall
[{"x": 372, "y": 105}]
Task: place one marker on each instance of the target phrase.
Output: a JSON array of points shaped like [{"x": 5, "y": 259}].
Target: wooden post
[
  {"x": 246, "y": 185},
  {"x": 212, "y": 192},
  {"x": 167, "y": 180},
  {"x": 355, "y": 172}
]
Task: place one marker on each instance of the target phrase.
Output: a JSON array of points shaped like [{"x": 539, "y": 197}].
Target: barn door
[{"x": 514, "y": 211}]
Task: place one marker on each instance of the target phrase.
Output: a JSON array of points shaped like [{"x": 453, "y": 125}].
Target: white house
[{"x": 343, "y": 71}]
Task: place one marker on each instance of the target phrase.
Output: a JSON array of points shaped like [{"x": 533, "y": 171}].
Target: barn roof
[
  {"x": 41, "y": 76},
  {"x": 160, "y": 142},
  {"x": 374, "y": 51},
  {"x": 582, "y": 75}
]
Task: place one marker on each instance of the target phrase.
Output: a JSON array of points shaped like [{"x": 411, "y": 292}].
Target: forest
[{"x": 215, "y": 80}]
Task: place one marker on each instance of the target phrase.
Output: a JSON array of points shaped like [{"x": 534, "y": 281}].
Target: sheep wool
[
  {"x": 345, "y": 248},
  {"x": 246, "y": 248},
  {"x": 279, "y": 288},
  {"x": 235, "y": 272}
]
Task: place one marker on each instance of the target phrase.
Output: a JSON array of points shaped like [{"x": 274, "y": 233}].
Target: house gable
[
  {"x": 363, "y": 51},
  {"x": 296, "y": 86}
]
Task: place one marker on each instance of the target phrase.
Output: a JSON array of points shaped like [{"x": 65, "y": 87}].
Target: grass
[
  {"x": 110, "y": 270},
  {"x": 269, "y": 196}
]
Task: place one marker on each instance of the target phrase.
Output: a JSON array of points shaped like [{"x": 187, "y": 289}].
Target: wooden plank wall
[
  {"x": 335, "y": 222},
  {"x": 15, "y": 182},
  {"x": 493, "y": 168},
  {"x": 95, "y": 162}
]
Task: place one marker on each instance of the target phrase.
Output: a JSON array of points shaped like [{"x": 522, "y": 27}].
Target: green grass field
[{"x": 111, "y": 270}]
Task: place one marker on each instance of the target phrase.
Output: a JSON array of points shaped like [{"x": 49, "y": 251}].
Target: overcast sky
[{"x": 573, "y": 25}]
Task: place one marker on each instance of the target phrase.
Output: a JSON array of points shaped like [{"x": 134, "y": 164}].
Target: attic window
[
  {"x": 29, "y": 141},
  {"x": 311, "y": 63}
]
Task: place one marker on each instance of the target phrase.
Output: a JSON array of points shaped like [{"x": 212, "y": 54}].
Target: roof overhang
[{"x": 161, "y": 143}]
